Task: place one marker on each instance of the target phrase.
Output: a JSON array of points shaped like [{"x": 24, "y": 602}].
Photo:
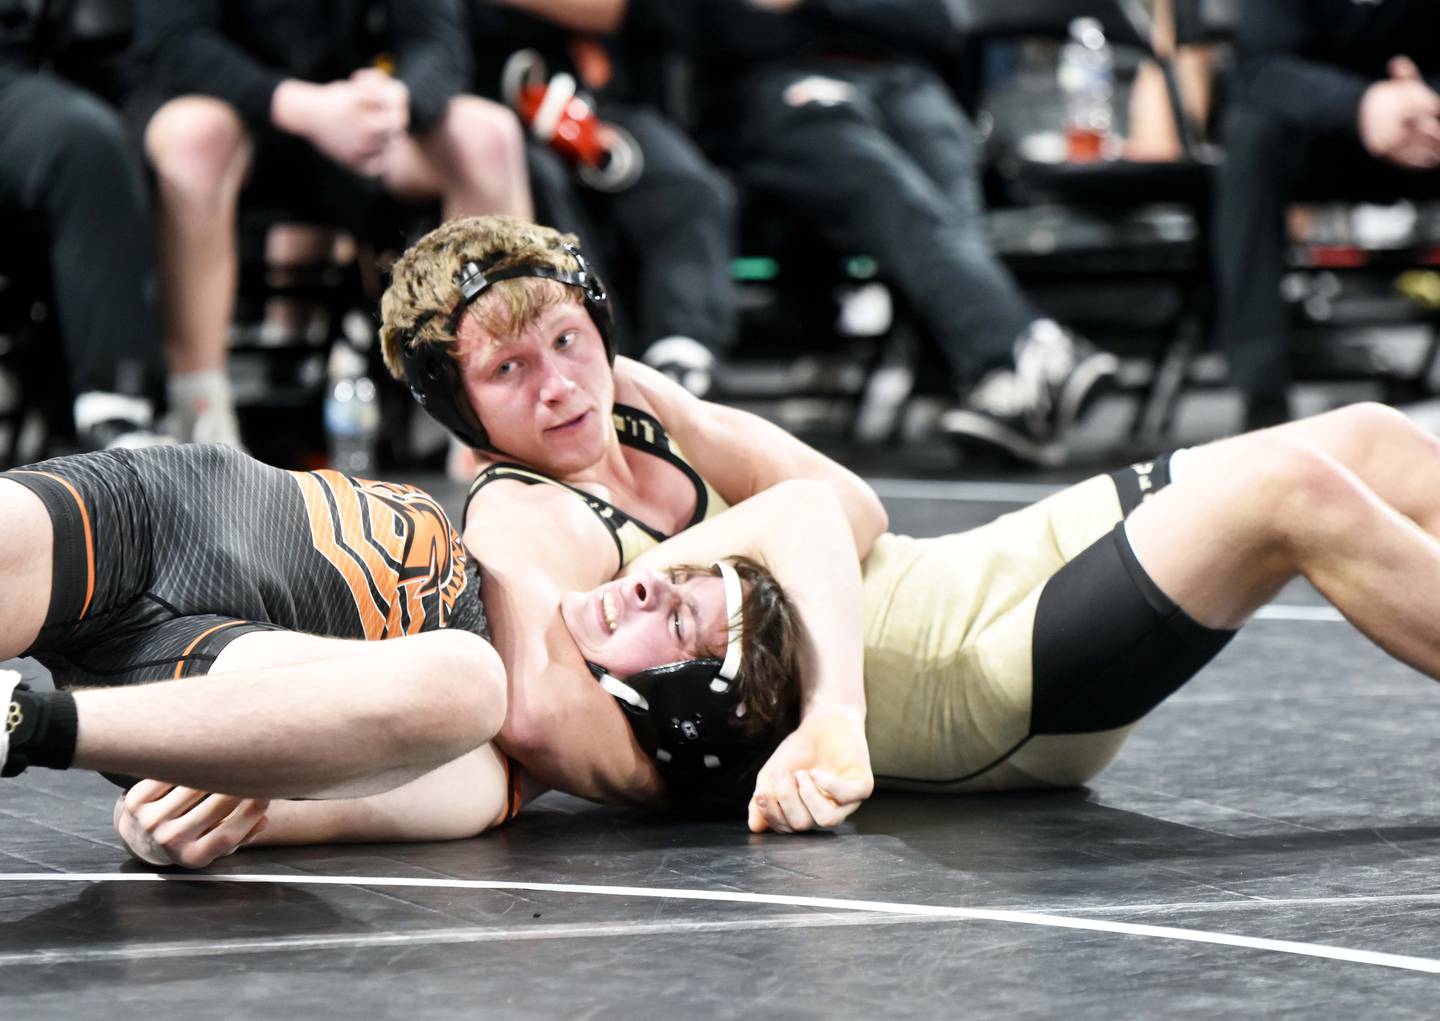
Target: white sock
[{"x": 202, "y": 409}]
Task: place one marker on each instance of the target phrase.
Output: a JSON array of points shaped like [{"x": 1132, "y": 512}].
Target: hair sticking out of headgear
[
  {"x": 689, "y": 717},
  {"x": 431, "y": 371}
]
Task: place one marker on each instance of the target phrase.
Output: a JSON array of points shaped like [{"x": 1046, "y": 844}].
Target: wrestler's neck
[{"x": 632, "y": 478}]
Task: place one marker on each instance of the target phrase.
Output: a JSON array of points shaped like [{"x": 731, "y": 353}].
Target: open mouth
[
  {"x": 570, "y": 424},
  {"x": 607, "y": 610}
]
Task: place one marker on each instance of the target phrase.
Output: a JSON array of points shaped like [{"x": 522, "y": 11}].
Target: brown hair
[
  {"x": 424, "y": 287},
  {"x": 770, "y": 635},
  {"x": 769, "y": 692}
]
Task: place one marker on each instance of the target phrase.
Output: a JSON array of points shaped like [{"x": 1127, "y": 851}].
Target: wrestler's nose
[
  {"x": 555, "y": 384},
  {"x": 646, "y": 589}
]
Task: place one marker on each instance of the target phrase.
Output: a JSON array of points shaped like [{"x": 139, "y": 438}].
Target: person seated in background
[
  {"x": 656, "y": 204},
  {"x": 833, "y": 108},
  {"x": 1332, "y": 94},
  {"x": 66, "y": 167},
  {"x": 296, "y": 105}
]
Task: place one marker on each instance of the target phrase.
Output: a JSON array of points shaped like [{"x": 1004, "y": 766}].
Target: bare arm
[
  {"x": 163, "y": 824},
  {"x": 741, "y": 454},
  {"x": 799, "y": 530},
  {"x": 536, "y": 543},
  {"x": 562, "y": 726},
  {"x": 595, "y": 17}
]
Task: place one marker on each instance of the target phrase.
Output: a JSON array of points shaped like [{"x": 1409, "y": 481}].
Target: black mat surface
[{"x": 1287, "y": 794}]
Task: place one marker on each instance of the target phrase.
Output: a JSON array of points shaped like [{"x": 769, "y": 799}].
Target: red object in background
[
  {"x": 606, "y": 157},
  {"x": 557, "y": 116},
  {"x": 1083, "y": 145}
]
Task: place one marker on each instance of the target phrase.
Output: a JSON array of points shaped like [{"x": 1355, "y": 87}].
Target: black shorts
[
  {"x": 1096, "y": 671},
  {"x": 164, "y": 556}
]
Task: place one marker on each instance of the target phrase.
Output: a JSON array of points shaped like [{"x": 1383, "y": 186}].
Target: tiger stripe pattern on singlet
[{"x": 392, "y": 544}]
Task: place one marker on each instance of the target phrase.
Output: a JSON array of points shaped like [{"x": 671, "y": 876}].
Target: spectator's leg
[
  {"x": 1252, "y": 185},
  {"x": 820, "y": 145},
  {"x": 924, "y": 119},
  {"x": 290, "y": 247},
  {"x": 65, "y": 158},
  {"x": 474, "y": 159},
  {"x": 679, "y": 220},
  {"x": 200, "y": 151}
]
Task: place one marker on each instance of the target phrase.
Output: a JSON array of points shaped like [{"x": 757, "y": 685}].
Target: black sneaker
[
  {"x": 1028, "y": 410},
  {"x": 9, "y": 682}
]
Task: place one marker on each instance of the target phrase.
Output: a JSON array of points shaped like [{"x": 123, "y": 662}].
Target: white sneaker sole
[
  {"x": 1080, "y": 387},
  {"x": 8, "y": 681},
  {"x": 972, "y": 425}
]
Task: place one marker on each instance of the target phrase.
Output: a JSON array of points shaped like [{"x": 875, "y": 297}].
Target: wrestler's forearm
[
  {"x": 568, "y": 734},
  {"x": 461, "y": 799}
]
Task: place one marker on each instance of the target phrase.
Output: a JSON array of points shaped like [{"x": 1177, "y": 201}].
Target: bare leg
[
  {"x": 287, "y": 715},
  {"x": 200, "y": 152},
  {"x": 288, "y": 247},
  {"x": 1392, "y": 455},
  {"x": 1254, "y": 511},
  {"x": 474, "y": 159},
  {"x": 27, "y": 541}
]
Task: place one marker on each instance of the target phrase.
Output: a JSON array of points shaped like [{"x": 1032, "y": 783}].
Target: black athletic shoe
[
  {"x": 9, "y": 682},
  {"x": 1028, "y": 410}
]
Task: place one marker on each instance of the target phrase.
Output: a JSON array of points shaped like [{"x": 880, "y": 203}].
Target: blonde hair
[{"x": 424, "y": 282}]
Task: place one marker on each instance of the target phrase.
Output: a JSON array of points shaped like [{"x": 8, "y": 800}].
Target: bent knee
[
  {"x": 196, "y": 141},
  {"x": 463, "y": 685},
  {"x": 485, "y": 130},
  {"x": 1305, "y": 491},
  {"x": 1381, "y": 425}
]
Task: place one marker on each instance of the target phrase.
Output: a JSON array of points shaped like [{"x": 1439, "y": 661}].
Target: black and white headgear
[
  {"x": 431, "y": 371},
  {"x": 688, "y": 716}
]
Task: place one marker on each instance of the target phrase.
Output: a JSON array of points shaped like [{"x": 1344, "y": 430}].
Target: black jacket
[
  {"x": 1310, "y": 61},
  {"x": 240, "y": 50},
  {"x": 736, "y": 32}
]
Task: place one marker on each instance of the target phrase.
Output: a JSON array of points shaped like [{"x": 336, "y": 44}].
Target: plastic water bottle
[
  {"x": 1087, "y": 80},
  {"x": 352, "y": 412}
]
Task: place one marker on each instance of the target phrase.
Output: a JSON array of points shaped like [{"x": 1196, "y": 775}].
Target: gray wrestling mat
[{"x": 1266, "y": 845}]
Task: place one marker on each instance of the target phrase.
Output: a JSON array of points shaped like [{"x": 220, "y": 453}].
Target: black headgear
[
  {"x": 689, "y": 718},
  {"x": 431, "y": 370}
]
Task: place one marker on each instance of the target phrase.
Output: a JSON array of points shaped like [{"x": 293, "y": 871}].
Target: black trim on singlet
[{"x": 611, "y": 516}]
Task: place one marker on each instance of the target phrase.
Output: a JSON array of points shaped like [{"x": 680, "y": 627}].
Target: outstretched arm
[{"x": 163, "y": 824}]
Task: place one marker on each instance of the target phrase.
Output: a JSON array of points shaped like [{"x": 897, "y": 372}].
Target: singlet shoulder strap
[
  {"x": 635, "y": 428},
  {"x": 643, "y": 431},
  {"x": 613, "y": 518}
]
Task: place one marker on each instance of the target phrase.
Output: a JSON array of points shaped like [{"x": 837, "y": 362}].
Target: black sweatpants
[
  {"x": 886, "y": 166},
  {"x": 64, "y": 161}
]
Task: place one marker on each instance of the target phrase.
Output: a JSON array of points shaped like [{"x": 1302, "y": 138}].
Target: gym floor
[{"x": 1266, "y": 844}]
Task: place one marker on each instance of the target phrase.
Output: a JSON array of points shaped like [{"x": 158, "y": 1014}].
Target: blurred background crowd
[{"x": 896, "y": 223}]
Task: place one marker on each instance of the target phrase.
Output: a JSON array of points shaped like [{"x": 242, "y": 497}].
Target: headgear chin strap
[
  {"x": 431, "y": 370},
  {"x": 688, "y": 715}
]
